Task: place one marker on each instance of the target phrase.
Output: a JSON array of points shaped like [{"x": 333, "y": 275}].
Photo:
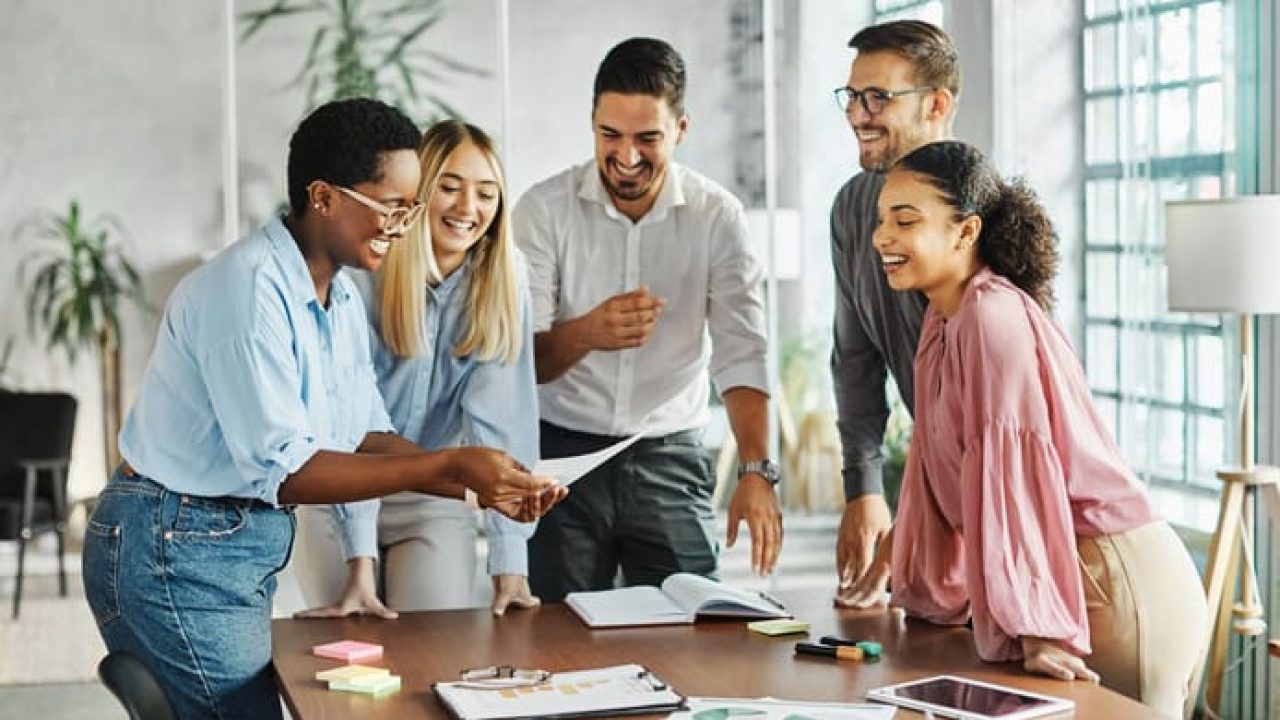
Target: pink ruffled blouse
[{"x": 1009, "y": 463}]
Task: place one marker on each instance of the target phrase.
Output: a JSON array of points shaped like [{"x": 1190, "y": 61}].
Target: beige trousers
[
  {"x": 428, "y": 547},
  {"x": 1148, "y": 619}
]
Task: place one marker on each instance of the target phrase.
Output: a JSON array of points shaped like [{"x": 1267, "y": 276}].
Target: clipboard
[{"x": 603, "y": 692}]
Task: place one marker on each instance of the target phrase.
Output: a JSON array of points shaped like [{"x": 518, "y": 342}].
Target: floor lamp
[{"x": 1223, "y": 256}]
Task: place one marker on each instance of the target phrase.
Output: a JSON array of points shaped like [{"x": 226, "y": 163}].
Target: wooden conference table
[{"x": 711, "y": 658}]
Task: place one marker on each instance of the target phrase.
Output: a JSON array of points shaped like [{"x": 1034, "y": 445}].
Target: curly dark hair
[
  {"x": 1017, "y": 238},
  {"x": 342, "y": 142},
  {"x": 642, "y": 66}
]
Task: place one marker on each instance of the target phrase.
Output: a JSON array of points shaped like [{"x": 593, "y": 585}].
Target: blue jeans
[{"x": 184, "y": 583}]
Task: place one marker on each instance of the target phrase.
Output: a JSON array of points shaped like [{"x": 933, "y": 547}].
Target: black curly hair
[
  {"x": 642, "y": 66},
  {"x": 1017, "y": 238},
  {"x": 342, "y": 142}
]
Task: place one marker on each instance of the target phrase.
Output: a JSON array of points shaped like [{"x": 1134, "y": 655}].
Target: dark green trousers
[{"x": 647, "y": 511}]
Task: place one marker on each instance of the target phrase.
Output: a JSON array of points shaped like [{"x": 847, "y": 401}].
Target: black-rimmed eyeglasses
[{"x": 873, "y": 99}]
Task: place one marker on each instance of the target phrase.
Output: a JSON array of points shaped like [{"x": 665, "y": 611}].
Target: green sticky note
[
  {"x": 351, "y": 672},
  {"x": 784, "y": 626},
  {"x": 369, "y": 685}
]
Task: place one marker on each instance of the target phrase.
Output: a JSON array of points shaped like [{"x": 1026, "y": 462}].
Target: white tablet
[{"x": 956, "y": 697}]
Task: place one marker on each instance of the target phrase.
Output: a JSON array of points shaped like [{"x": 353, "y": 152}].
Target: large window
[{"x": 1159, "y": 126}]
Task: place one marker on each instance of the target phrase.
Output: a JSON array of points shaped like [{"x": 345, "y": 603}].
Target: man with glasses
[{"x": 901, "y": 94}]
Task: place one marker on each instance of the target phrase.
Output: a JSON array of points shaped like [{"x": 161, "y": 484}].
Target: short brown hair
[{"x": 929, "y": 49}]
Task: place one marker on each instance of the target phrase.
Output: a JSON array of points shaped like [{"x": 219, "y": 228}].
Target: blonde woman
[{"x": 453, "y": 354}]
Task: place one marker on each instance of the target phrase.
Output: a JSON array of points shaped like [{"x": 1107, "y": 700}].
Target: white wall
[
  {"x": 120, "y": 105},
  {"x": 116, "y": 104},
  {"x": 556, "y": 46}
]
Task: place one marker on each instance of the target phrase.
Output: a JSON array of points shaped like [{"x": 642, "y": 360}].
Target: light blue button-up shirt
[
  {"x": 440, "y": 400},
  {"x": 251, "y": 376}
]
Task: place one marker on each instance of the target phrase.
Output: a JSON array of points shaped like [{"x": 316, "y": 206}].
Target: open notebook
[{"x": 682, "y": 598}]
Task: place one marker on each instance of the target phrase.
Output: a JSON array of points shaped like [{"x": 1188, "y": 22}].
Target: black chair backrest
[
  {"x": 34, "y": 426},
  {"x": 135, "y": 687}
]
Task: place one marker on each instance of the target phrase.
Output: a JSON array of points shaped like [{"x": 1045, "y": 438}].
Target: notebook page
[{"x": 638, "y": 605}]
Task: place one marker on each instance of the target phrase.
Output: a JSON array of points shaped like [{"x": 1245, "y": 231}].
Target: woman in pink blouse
[{"x": 1017, "y": 510}]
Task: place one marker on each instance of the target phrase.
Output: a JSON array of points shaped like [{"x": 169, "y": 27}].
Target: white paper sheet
[{"x": 567, "y": 470}]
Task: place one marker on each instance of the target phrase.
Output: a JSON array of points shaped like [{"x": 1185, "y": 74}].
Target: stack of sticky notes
[
  {"x": 349, "y": 651},
  {"x": 355, "y": 677}
]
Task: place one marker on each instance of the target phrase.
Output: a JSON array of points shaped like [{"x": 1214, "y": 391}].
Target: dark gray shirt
[{"x": 877, "y": 329}]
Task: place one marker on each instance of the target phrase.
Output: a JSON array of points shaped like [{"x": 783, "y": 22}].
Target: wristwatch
[{"x": 766, "y": 469}]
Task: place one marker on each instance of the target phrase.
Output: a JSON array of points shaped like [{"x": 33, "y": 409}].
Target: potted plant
[
  {"x": 897, "y": 439},
  {"x": 360, "y": 51},
  {"x": 79, "y": 280}
]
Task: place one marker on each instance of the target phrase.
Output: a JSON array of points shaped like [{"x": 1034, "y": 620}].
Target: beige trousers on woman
[{"x": 1148, "y": 619}]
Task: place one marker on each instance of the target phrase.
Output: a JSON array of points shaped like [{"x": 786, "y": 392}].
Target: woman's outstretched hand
[
  {"x": 1046, "y": 657},
  {"x": 359, "y": 596}
]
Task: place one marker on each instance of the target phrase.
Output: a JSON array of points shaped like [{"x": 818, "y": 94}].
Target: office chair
[
  {"x": 36, "y": 430},
  {"x": 135, "y": 687}
]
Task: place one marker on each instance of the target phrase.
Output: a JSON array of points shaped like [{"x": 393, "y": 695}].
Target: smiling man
[
  {"x": 642, "y": 286},
  {"x": 901, "y": 94}
]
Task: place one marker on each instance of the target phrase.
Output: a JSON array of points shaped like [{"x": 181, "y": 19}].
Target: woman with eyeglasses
[
  {"x": 260, "y": 395},
  {"x": 1017, "y": 510},
  {"x": 453, "y": 350}
]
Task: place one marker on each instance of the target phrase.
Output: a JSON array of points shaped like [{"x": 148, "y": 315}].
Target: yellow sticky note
[
  {"x": 347, "y": 673},
  {"x": 778, "y": 627}
]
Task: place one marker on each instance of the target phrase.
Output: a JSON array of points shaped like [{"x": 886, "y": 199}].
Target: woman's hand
[
  {"x": 513, "y": 591},
  {"x": 498, "y": 480},
  {"x": 869, "y": 588},
  {"x": 531, "y": 508},
  {"x": 1046, "y": 657},
  {"x": 359, "y": 597}
]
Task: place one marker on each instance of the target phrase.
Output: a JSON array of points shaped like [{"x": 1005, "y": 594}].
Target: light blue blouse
[
  {"x": 251, "y": 376},
  {"x": 439, "y": 400}
]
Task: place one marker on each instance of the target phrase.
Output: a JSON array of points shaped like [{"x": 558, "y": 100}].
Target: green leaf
[
  {"x": 253, "y": 20},
  {"x": 454, "y": 65},
  {"x": 398, "y": 49}
]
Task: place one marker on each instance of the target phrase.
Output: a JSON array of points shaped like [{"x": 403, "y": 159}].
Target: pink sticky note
[{"x": 350, "y": 651}]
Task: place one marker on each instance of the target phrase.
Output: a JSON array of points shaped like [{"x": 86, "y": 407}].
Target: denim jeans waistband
[{"x": 126, "y": 478}]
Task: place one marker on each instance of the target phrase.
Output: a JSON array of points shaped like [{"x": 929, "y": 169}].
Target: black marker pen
[{"x": 838, "y": 652}]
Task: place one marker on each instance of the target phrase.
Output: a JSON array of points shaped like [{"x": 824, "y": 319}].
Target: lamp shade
[{"x": 1224, "y": 255}]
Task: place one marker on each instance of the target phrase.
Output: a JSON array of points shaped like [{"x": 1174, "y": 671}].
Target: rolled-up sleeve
[
  {"x": 735, "y": 307},
  {"x": 256, "y": 391},
  {"x": 500, "y": 410}
]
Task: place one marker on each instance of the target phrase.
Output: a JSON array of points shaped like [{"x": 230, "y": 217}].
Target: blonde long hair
[{"x": 493, "y": 307}]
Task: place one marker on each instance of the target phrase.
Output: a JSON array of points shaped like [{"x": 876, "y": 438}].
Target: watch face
[{"x": 766, "y": 469}]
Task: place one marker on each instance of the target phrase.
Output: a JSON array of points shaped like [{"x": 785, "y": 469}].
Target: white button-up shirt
[{"x": 692, "y": 249}]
